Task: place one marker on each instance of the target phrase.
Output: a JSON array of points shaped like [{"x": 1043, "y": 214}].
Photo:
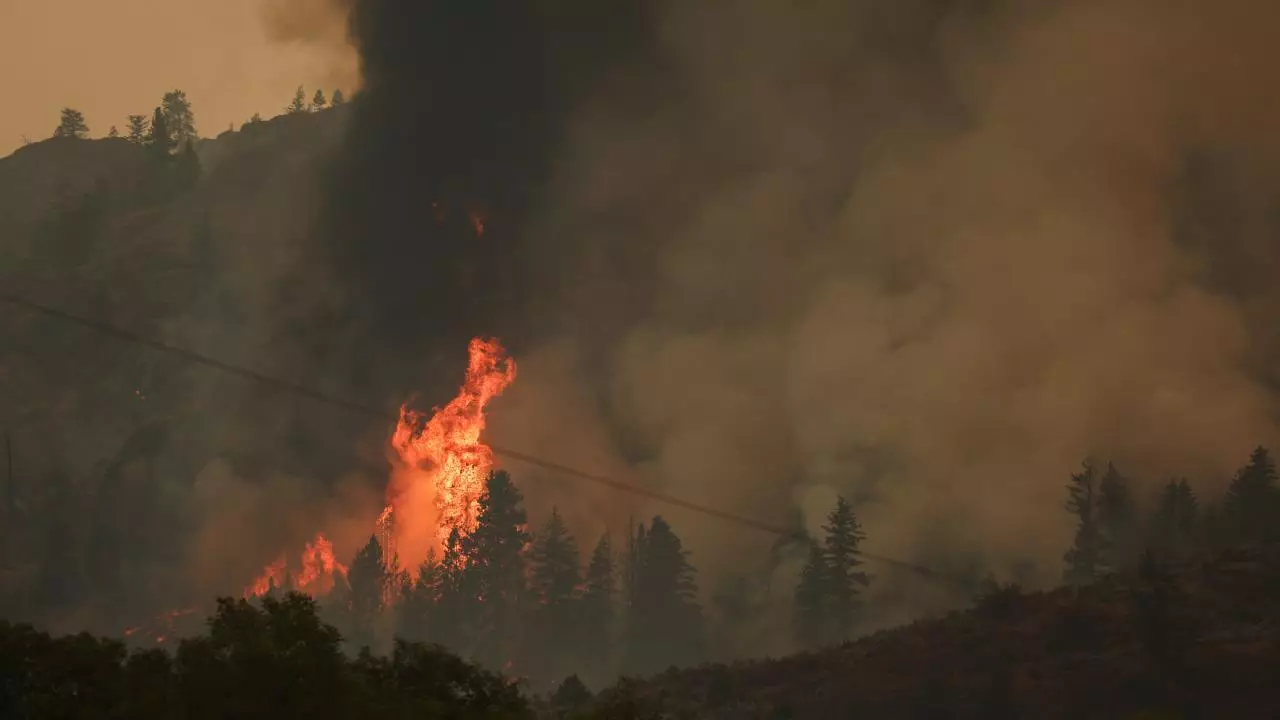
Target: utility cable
[{"x": 382, "y": 414}]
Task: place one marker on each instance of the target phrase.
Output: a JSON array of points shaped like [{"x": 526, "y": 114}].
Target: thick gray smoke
[{"x": 926, "y": 257}]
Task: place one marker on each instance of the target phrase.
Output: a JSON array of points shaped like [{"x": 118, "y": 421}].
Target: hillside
[
  {"x": 225, "y": 264},
  {"x": 1199, "y": 640}
]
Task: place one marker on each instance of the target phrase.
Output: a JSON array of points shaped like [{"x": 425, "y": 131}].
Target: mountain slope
[{"x": 1202, "y": 641}]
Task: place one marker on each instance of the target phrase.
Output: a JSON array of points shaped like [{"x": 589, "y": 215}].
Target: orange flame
[
  {"x": 272, "y": 575},
  {"x": 442, "y": 462},
  {"x": 319, "y": 568},
  {"x": 316, "y": 574}
]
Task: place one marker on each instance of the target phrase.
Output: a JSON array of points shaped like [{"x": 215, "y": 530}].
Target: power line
[{"x": 381, "y": 414}]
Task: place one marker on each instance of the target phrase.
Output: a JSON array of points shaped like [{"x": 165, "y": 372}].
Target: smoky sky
[
  {"x": 462, "y": 109},
  {"x": 929, "y": 255}
]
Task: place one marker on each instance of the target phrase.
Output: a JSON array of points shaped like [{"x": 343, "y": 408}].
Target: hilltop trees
[
  {"x": 299, "y": 102},
  {"x": 72, "y": 125},
  {"x": 826, "y": 599},
  {"x": 318, "y": 100},
  {"x": 663, "y": 616},
  {"x": 598, "y": 612},
  {"x": 1117, "y": 516},
  {"x": 179, "y": 117},
  {"x": 495, "y": 571},
  {"x": 1252, "y": 503},
  {"x": 338, "y": 98},
  {"x": 554, "y": 588},
  {"x": 159, "y": 139},
  {"x": 1087, "y": 557},
  {"x": 138, "y": 129},
  {"x": 1174, "y": 526}
]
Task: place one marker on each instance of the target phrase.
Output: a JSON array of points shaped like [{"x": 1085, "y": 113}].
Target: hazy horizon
[{"x": 113, "y": 60}]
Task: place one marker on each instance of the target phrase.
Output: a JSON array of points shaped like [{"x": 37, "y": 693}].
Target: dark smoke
[{"x": 462, "y": 110}]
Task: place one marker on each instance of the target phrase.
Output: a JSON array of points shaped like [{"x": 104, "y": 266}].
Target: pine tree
[
  {"x": 179, "y": 117},
  {"x": 72, "y": 125},
  {"x": 843, "y": 558},
  {"x": 113, "y": 132},
  {"x": 495, "y": 571},
  {"x": 1174, "y": 527},
  {"x": 299, "y": 104},
  {"x": 159, "y": 139},
  {"x": 1086, "y": 558},
  {"x": 188, "y": 166},
  {"x": 319, "y": 101},
  {"x": 419, "y": 600},
  {"x": 138, "y": 129},
  {"x": 665, "y": 621},
  {"x": 811, "y": 621},
  {"x": 1252, "y": 503},
  {"x": 1118, "y": 520},
  {"x": 598, "y": 626},
  {"x": 338, "y": 98},
  {"x": 368, "y": 579},
  {"x": 454, "y": 601},
  {"x": 554, "y": 586}
]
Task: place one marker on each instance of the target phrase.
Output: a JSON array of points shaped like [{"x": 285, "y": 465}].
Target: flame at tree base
[
  {"x": 439, "y": 472},
  {"x": 318, "y": 570},
  {"x": 441, "y": 464}
]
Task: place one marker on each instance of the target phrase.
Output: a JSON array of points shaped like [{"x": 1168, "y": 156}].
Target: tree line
[
  {"x": 526, "y": 601},
  {"x": 1112, "y": 532},
  {"x": 174, "y": 121}
]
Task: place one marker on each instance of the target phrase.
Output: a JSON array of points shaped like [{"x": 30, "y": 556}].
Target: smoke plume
[{"x": 929, "y": 256}]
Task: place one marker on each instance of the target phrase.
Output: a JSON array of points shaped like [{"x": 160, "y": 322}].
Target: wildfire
[
  {"x": 437, "y": 480},
  {"x": 316, "y": 574},
  {"x": 162, "y": 626},
  {"x": 442, "y": 466}
]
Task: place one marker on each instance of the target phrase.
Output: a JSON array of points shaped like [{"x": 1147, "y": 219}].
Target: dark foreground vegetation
[{"x": 1197, "y": 639}]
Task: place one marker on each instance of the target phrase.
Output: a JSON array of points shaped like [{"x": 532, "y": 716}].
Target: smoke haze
[{"x": 929, "y": 257}]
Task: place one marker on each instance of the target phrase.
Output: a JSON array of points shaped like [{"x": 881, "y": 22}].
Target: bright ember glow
[{"x": 442, "y": 464}]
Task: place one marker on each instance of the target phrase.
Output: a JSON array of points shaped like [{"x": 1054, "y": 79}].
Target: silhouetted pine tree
[
  {"x": 1252, "y": 502},
  {"x": 1174, "y": 531},
  {"x": 299, "y": 103},
  {"x": 419, "y": 600},
  {"x": 338, "y": 98},
  {"x": 159, "y": 138},
  {"x": 843, "y": 558},
  {"x": 1118, "y": 520},
  {"x": 455, "y": 601},
  {"x": 138, "y": 129},
  {"x": 72, "y": 124},
  {"x": 188, "y": 166},
  {"x": 179, "y": 117},
  {"x": 318, "y": 100},
  {"x": 495, "y": 571},
  {"x": 1086, "y": 558},
  {"x": 599, "y": 611},
  {"x": 113, "y": 132},
  {"x": 368, "y": 578},
  {"x": 554, "y": 585},
  {"x": 811, "y": 620},
  {"x": 665, "y": 621}
]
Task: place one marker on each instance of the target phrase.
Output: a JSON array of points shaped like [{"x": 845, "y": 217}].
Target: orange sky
[{"x": 111, "y": 59}]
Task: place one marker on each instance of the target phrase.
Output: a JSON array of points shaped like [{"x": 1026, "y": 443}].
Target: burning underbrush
[{"x": 439, "y": 465}]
